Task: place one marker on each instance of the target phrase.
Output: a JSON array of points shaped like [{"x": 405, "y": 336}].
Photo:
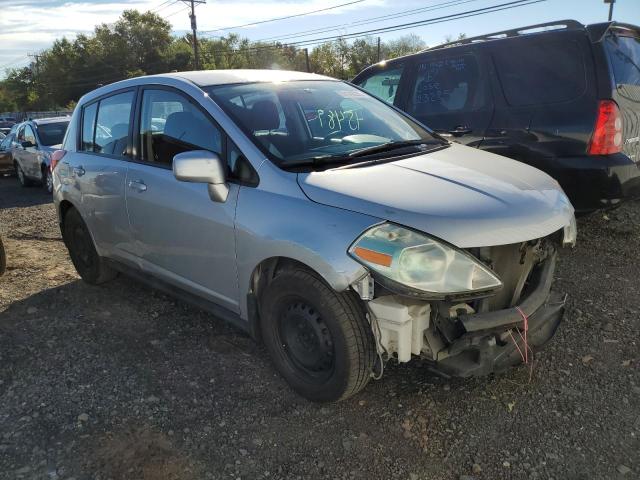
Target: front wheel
[
  {"x": 319, "y": 340},
  {"x": 89, "y": 265}
]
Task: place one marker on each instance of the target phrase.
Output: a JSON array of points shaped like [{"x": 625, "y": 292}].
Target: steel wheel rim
[{"x": 306, "y": 341}]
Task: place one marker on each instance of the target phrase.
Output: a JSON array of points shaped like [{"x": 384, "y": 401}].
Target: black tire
[
  {"x": 89, "y": 265},
  {"x": 22, "y": 178},
  {"x": 47, "y": 179},
  {"x": 319, "y": 340}
]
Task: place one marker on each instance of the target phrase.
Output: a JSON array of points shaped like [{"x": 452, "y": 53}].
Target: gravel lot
[{"x": 119, "y": 382}]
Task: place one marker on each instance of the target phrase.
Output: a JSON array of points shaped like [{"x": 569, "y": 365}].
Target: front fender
[{"x": 270, "y": 224}]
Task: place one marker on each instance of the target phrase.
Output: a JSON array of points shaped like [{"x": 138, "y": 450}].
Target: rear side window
[
  {"x": 170, "y": 125},
  {"x": 447, "y": 84},
  {"x": 109, "y": 133},
  {"x": 88, "y": 126},
  {"x": 540, "y": 72},
  {"x": 384, "y": 84},
  {"x": 624, "y": 54}
]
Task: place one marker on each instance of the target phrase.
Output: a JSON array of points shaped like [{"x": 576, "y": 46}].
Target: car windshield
[
  {"x": 320, "y": 120},
  {"x": 52, "y": 133}
]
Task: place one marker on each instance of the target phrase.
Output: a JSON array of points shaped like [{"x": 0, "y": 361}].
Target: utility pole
[
  {"x": 194, "y": 28},
  {"x": 306, "y": 56},
  {"x": 610, "y": 2},
  {"x": 378, "y": 49},
  {"x": 37, "y": 62}
]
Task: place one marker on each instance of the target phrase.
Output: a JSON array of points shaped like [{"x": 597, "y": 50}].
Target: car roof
[
  {"x": 204, "y": 78},
  {"x": 42, "y": 121}
]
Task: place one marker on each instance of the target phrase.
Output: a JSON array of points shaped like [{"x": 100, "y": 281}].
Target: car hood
[
  {"x": 462, "y": 195},
  {"x": 50, "y": 148}
]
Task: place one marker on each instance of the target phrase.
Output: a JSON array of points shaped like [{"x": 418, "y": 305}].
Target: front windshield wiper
[
  {"x": 388, "y": 146},
  {"x": 341, "y": 159}
]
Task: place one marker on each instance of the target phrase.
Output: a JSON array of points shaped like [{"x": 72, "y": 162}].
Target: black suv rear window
[
  {"x": 624, "y": 54},
  {"x": 538, "y": 73}
]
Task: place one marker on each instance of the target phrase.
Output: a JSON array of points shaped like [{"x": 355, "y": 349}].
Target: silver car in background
[
  {"x": 36, "y": 140},
  {"x": 317, "y": 218}
]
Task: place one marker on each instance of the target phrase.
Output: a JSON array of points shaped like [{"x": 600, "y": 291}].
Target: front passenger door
[{"x": 181, "y": 235}]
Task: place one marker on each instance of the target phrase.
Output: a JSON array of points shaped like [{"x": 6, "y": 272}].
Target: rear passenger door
[
  {"x": 181, "y": 235},
  {"x": 449, "y": 91},
  {"x": 97, "y": 172}
]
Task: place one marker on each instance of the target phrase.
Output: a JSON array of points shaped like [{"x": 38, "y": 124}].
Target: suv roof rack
[{"x": 514, "y": 32}]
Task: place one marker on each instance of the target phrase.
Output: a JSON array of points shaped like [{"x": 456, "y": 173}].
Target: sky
[{"x": 29, "y": 26}]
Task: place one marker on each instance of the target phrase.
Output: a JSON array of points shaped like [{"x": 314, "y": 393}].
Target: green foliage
[{"x": 142, "y": 44}]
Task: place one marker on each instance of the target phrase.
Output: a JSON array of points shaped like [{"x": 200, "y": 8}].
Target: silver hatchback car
[{"x": 317, "y": 218}]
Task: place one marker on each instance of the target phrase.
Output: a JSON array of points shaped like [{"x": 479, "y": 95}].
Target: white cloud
[{"x": 27, "y": 26}]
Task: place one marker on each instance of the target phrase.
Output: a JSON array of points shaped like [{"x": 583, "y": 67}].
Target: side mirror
[
  {"x": 202, "y": 166},
  {"x": 27, "y": 144}
]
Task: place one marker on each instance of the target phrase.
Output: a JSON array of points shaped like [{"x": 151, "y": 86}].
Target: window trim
[{"x": 97, "y": 101}]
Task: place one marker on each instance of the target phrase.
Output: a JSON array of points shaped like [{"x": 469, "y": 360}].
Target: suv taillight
[
  {"x": 56, "y": 157},
  {"x": 607, "y": 134}
]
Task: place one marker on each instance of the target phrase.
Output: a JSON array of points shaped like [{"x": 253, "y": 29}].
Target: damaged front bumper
[
  {"x": 494, "y": 341},
  {"x": 469, "y": 343}
]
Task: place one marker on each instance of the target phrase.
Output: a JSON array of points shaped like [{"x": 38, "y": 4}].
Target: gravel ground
[{"x": 119, "y": 382}]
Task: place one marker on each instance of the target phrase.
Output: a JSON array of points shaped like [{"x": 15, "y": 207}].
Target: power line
[
  {"x": 367, "y": 21},
  {"x": 283, "y": 18},
  {"x": 393, "y": 28}
]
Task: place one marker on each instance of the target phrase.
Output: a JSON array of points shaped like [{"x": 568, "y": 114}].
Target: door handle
[
  {"x": 79, "y": 171},
  {"x": 137, "y": 185},
  {"x": 460, "y": 130}
]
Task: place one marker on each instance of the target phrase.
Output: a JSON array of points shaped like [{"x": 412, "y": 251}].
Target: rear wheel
[
  {"x": 47, "y": 179},
  {"x": 89, "y": 265},
  {"x": 319, "y": 340}
]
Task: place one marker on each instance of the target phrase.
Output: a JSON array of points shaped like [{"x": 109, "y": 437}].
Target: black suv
[{"x": 560, "y": 96}]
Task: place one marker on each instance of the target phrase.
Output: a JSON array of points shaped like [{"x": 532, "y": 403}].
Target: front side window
[
  {"x": 313, "y": 121},
  {"x": 21, "y": 135},
  {"x": 52, "y": 133},
  {"x": 29, "y": 136},
  {"x": 170, "y": 125},
  {"x": 624, "y": 53},
  {"x": 384, "y": 84},
  {"x": 447, "y": 84}
]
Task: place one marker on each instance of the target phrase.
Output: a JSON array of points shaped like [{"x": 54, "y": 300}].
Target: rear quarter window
[
  {"x": 540, "y": 72},
  {"x": 624, "y": 55}
]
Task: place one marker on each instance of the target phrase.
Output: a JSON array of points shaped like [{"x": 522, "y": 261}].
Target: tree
[{"x": 404, "y": 46}]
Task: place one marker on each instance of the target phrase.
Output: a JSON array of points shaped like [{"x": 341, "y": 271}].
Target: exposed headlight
[{"x": 420, "y": 262}]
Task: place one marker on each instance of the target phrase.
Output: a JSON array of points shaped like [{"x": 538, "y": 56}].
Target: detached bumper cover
[{"x": 479, "y": 351}]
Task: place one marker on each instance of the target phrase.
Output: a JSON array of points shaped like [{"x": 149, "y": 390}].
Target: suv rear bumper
[
  {"x": 597, "y": 182},
  {"x": 491, "y": 342}
]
